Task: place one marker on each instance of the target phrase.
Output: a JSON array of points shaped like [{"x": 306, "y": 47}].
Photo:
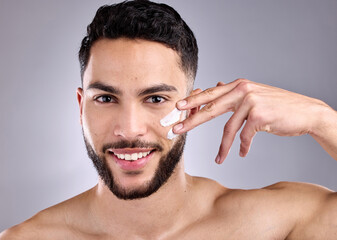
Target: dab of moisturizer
[{"x": 170, "y": 119}]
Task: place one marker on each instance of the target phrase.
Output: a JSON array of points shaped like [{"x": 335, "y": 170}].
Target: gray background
[{"x": 289, "y": 44}]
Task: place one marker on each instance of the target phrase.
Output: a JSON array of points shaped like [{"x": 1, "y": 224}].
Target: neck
[{"x": 168, "y": 205}]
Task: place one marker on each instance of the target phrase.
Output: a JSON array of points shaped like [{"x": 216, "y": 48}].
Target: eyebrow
[
  {"x": 150, "y": 90},
  {"x": 157, "y": 88},
  {"x": 106, "y": 88}
]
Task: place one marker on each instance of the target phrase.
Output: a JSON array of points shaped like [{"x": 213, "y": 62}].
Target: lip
[{"x": 131, "y": 165}]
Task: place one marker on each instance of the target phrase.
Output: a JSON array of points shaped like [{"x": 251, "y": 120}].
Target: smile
[
  {"x": 133, "y": 156},
  {"x": 131, "y": 159}
]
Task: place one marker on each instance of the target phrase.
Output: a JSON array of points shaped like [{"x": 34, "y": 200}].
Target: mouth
[
  {"x": 131, "y": 159},
  {"x": 131, "y": 156}
]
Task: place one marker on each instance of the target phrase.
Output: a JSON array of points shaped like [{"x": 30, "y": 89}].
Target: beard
[{"x": 166, "y": 167}]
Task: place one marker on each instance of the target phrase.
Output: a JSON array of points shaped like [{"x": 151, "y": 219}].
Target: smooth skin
[{"x": 187, "y": 207}]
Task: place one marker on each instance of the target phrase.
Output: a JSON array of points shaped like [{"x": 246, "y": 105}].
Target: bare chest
[
  {"x": 225, "y": 230},
  {"x": 204, "y": 230}
]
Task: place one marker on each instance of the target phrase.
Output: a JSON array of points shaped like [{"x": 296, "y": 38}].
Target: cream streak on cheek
[{"x": 169, "y": 119}]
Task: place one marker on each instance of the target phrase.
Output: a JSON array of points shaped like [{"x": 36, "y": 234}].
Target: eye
[
  {"x": 155, "y": 99},
  {"x": 105, "y": 99}
]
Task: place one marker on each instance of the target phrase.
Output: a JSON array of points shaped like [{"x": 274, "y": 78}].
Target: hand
[{"x": 260, "y": 107}]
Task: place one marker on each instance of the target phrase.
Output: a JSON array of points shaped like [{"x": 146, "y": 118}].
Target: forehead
[{"x": 129, "y": 63}]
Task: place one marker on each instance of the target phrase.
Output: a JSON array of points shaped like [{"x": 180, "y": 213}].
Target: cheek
[
  {"x": 95, "y": 126},
  {"x": 155, "y": 126}
]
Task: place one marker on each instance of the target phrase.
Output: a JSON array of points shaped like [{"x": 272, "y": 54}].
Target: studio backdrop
[{"x": 289, "y": 44}]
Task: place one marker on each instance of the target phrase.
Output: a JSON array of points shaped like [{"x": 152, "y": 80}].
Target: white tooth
[
  {"x": 134, "y": 156},
  {"x": 147, "y": 153}
]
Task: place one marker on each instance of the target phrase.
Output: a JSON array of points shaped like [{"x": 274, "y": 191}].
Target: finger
[
  {"x": 196, "y": 109},
  {"x": 231, "y": 128},
  {"x": 195, "y": 91},
  {"x": 223, "y": 104},
  {"x": 208, "y": 95},
  {"x": 247, "y": 134}
]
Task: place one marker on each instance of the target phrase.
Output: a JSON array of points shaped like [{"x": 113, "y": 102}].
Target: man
[{"x": 138, "y": 63}]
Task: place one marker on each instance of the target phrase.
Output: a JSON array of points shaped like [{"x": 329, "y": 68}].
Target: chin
[{"x": 132, "y": 180}]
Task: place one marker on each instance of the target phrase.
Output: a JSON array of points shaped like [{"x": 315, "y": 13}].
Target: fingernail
[
  {"x": 177, "y": 127},
  {"x": 217, "y": 159},
  {"x": 181, "y": 103}
]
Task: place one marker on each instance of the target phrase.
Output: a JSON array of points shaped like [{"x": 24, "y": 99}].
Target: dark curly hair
[{"x": 142, "y": 19}]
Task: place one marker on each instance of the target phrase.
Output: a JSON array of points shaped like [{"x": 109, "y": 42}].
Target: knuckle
[
  {"x": 227, "y": 130},
  {"x": 209, "y": 107},
  {"x": 241, "y": 80},
  {"x": 209, "y": 92},
  {"x": 250, "y": 98},
  {"x": 244, "y": 139},
  {"x": 245, "y": 87},
  {"x": 267, "y": 129},
  {"x": 256, "y": 116}
]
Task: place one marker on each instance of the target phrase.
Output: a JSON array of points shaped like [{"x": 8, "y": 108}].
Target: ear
[
  {"x": 196, "y": 109},
  {"x": 79, "y": 93}
]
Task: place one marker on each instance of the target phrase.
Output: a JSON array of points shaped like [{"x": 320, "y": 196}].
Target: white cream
[
  {"x": 171, "y": 135},
  {"x": 169, "y": 119}
]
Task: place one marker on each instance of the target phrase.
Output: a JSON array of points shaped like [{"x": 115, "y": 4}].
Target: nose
[{"x": 130, "y": 123}]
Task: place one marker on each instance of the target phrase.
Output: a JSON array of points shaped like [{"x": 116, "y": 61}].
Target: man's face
[{"x": 128, "y": 86}]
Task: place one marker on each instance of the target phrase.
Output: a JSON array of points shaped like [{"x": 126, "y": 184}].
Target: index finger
[
  {"x": 225, "y": 103},
  {"x": 207, "y": 95}
]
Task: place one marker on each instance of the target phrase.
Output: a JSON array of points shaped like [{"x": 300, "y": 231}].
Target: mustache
[{"x": 132, "y": 144}]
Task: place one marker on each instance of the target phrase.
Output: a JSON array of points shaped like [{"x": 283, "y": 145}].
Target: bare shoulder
[
  {"x": 312, "y": 206},
  {"x": 51, "y": 223},
  {"x": 282, "y": 193},
  {"x": 33, "y": 228},
  {"x": 299, "y": 209},
  {"x": 17, "y": 232},
  {"x": 294, "y": 197},
  {"x": 299, "y": 187},
  {"x": 303, "y": 199}
]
